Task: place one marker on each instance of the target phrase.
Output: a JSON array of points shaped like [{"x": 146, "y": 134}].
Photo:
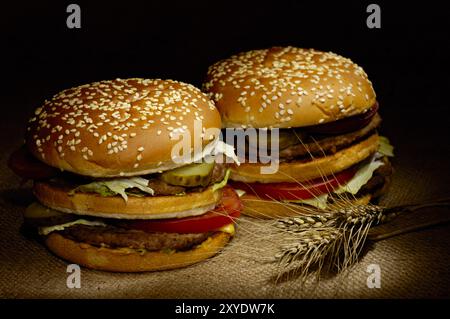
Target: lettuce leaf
[
  {"x": 385, "y": 147},
  {"x": 112, "y": 187},
  {"x": 362, "y": 176},
  {"x": 365, "y": 172},
  {"x": 240, "y": 192},
  {"x": 318, "y": 201},
  {"x": 223, "y": 183}
]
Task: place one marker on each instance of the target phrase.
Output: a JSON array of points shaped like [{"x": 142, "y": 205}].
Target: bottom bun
[
  {"x": 129, "y": 260},
  {"x": 262, "y": 208}
]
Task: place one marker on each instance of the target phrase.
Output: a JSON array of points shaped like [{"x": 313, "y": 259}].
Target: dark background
[
  {"x": 407, "y": 59},
  {"x": 179, "y": 39}
]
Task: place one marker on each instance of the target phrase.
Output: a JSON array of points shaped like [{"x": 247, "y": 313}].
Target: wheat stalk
[
  {"x": 298, "y": 256},
  {"x": 334, "y": 238}
]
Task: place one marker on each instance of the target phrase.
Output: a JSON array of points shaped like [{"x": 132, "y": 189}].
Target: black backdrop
[{"x": 406, "y": 59}]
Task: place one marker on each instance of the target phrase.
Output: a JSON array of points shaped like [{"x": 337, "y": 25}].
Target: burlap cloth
[{"x": 412, "y": 265}]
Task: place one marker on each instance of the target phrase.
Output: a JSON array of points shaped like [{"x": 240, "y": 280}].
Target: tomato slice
[
  {"x": 296, "y": 191},
  {"x": 23, "y": 164},
  {"x": 225, "y": 213},
  {"x": 346, "y": 125}
]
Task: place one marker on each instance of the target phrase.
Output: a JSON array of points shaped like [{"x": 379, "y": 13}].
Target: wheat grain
[{"x": 333, "y": 237}]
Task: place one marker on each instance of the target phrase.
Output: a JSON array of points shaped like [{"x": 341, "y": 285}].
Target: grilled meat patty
[
  {"x": 117, "y": 237},
  {"x": 381, "y": 178},
  {"x": 162, "y": 188},
  {"x": 325, "y": 144}
]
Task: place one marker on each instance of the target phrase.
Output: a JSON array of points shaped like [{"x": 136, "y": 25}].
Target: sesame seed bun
[
  {"x": 147, "y": 207},
  {"x": 285, "y": 87},
  {"x": 301, "y": 171},
  {"x": 129, "y": 260},
  {"x": 122, "y": 127}
]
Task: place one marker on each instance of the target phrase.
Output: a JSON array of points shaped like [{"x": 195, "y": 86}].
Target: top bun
[
  {"x": 122, "y": 127},
  {"x": 287, "y": 87}
]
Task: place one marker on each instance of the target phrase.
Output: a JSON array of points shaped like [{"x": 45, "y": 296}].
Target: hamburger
[
  {"x": 110, "y": 193},
  {"x": 323, "y": 110}
]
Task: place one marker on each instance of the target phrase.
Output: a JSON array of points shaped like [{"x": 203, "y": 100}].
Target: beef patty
[
  {"x": 379, "y": 181},
  {"x": 325, "y": 144},
  {"x": 116, "y": 237},
  {"x": 160, "y": 188}
]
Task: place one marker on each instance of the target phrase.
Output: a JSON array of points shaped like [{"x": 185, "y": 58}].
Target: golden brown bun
[
  {"x": 119, "y": 127},
  {"x": 260, "y": 208},
  {"x": 300, "y": 171},
  {"x": 58, "y": 198},
  {"x": 128, "y": 260},
  {"x": 287, "y": 87}
]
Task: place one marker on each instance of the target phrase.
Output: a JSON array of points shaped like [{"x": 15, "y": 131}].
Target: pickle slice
[
  {"x": 190, "y": 175},
  {"x": 38, "y": 215}
]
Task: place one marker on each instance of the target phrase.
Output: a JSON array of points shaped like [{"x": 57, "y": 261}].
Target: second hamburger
[{"x": 326, "y": 111}]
